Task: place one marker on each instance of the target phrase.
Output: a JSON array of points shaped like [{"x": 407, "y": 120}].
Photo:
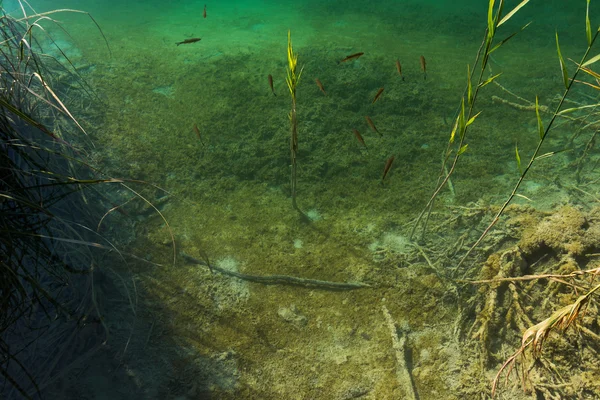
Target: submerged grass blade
[
  {"x": 55, "y": 97},
  {"x": 591, "y": 60},
  {"x": 489, "y": 80},
  {"x": 469, "y": 86},
  {"x": 514, "y": 11},
  {"x": 539, "y": 119},
  {"x": 462, "y": 125},
  {"x": 490, "y": 22},
  {"x": 518, "y": 157},
  {"x": 590, "y": 72},
  {"x": 453, "y": 133},
  {"x": 588, "y": 26},
  {"x": 62, "y": 10},
  {"x": 563, "y": 66},
  {"x": 506, "y": 39},
  {"x": 472, "y": 119}
]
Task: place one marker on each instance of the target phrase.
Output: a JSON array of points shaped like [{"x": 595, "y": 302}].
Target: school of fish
[{"x": 351, "y": 57}]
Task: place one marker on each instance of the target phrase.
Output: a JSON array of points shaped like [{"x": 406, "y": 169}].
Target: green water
[{"x": 199, "y": 335}]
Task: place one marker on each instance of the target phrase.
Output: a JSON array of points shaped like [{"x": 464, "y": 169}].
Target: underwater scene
[{"x": 256, "y": 199}]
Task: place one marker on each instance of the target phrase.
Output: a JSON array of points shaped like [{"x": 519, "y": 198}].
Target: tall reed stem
[{"x": 292, "y": 80}]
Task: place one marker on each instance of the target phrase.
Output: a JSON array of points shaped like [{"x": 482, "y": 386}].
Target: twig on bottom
[
  {"x": 281, "y": 279},
  {"x": 403, "y": 376}
]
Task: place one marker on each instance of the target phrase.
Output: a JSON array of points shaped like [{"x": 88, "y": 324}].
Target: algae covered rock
[{"x": 562, "y": 232}]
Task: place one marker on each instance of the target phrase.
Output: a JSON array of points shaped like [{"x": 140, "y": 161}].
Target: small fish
[
  {"x": 351, "y": 57},
  {"x": 399, "y": 68},
  {"x": 372, "y": 125},
  {"x": 204, "y": 13},
  {"x": 424, "y": 67},
  {"x": 197, "y": 131},
  {"x": 377, "y": 95},
  {"x": 271, "y": 84},
  {"x": 386, "y": 169},
  {"x": 320, "y": 85},
  {"x": 359, "y": 137},
  {"x": 188, "y": 41}
]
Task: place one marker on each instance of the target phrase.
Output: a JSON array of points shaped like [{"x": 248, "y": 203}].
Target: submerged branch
[{"x": 281, "y": 279}]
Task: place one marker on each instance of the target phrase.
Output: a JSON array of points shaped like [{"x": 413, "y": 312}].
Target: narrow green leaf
[
  {"x": 569, "y": 110},
  {"x": 24, "y": 116},
  {"x": 462, "y": 149},
  {"x": 563, "y": 66},
  {"x": 588, "y": 27},
  {"x": 539, "y": 119},
  {"x": 489, "y": 80},
  {"x": 472, "y": 119},
  {"x": 513, "y": 12},
  {"x": 491, "y": 28},
  {"x": 497, "y": 46},
  {"x": 506, "y": 39},
  {"x": 453, "y": 133},
  {"x": 591, "y": 60},
  {"x": 518, "y": 159},
  {"x": 499, "y": 12},
  {"x": 461, "y": 119},
  {"x": 469, "y": 86},
  {"x": 549, "y": 154},
  {"x": 523, "y": 196}
]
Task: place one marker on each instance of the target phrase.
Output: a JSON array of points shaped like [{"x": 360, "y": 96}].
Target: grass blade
[
  {"x": 55, "y": 97},
  {"x": 453, "y": 133},
  {"x": 569, "y": 110},
  {"x": 518, "y": 159},
  {"x": 461, "y": 120},
  {"x": 489, "y": 80},
  {"x": 490, "y": 21},
  {"x": 563, "y": 66},
  {"x": 472, "y": 119},
  {"x": 539, "y": 119},
  {"x": 506, "y": 39},
  {"x": 588, "y": 27},
  {"x": 591, "y": 60},
  {"x": 514, "y": 11},
  {"x": 469, "y": 86},
  {"x": 590, "y": 72}
]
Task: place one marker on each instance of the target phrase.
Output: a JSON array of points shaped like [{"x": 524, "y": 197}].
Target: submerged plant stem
[{"x": 543, "y": 135}]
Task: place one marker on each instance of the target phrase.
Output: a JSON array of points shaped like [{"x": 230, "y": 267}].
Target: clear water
[{"x": 199, "y": 335}]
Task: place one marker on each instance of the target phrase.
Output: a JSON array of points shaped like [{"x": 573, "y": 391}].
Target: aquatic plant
[
  {"x": 292, "y": 80},
  {"x": 466, "y": 111},
  {"x": 49, "y": 212},
  {"x": 534, "y": 335},
  {"x": 543, "y": 132}
]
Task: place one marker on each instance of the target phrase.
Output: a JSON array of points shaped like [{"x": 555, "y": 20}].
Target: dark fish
[
  {"x": 271, "y": 84},
  {"x": 424, "y": 67},
  {"x": 386, "y": 169},
  {"x": 372, "y": 125},
  {"x": 399, "y": 68},
  {"x": 359, "y": 137},
  {"x": 351, "y": 57},
  {"x": 204, "y": 13},
  {"x": 188, "y": 41},
  {"x": 320, "y": 85},
  {"x": 197, "y": 131},
  {"x": 377, "y": 95}
]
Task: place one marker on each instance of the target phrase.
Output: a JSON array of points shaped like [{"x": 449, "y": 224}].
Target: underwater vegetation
[{"x": 444, "y": 236}]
